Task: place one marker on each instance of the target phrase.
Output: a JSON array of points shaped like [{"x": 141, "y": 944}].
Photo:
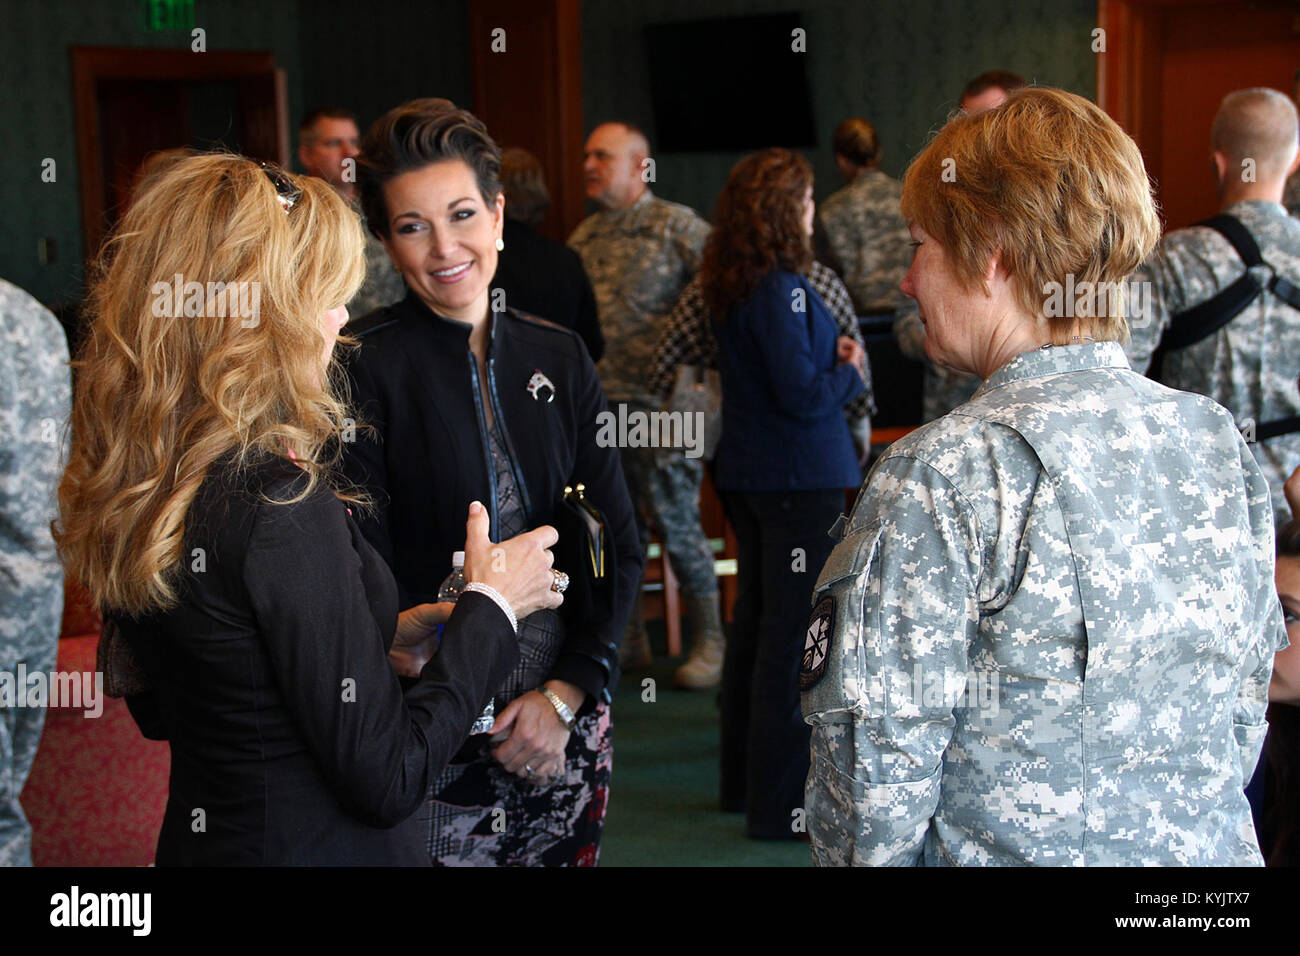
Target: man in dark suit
[{"x": 538, "y": 275}]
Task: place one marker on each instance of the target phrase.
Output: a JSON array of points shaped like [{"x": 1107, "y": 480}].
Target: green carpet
[{"x": 663, "y": 806}]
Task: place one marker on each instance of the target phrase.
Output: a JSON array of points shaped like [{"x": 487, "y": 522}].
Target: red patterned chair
[{"x": 97, "y": 791}]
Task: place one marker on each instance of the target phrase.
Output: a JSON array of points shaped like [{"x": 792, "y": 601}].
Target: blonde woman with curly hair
[{"x": 199, "y": 507}]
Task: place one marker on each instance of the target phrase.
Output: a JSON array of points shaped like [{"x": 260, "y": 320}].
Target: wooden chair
[{"x": 662, "y": 598}]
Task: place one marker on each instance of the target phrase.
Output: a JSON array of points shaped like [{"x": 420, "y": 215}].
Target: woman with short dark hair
[{"x": 472, "y": 400}]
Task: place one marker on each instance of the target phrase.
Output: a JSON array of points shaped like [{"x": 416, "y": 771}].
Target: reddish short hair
[{"x": 1051, "y": 185}]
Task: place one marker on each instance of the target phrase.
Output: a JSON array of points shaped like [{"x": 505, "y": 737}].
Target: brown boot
[
  {"x": 703, "y": 669},
  {"x": 635, "y": 654}
]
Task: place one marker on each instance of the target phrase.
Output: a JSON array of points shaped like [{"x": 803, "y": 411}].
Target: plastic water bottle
[
  {"x": 449, "y": 591},
  {"x": 454, "y": 583}
]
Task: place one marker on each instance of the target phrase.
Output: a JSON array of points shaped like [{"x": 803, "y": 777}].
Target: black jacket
[
  {"x": 292, "y": 742},
  {"x": 415, "y": 381}
]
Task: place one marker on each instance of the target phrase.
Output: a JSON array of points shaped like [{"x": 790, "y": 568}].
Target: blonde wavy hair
[
  {"x": 161, "y": 397},
  {"x": 1051, "y": 185}
]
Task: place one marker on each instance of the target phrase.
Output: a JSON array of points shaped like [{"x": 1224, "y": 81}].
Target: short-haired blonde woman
[
  {"x": 1046, "y": 632},
  {"x": 198, "y": 507}
]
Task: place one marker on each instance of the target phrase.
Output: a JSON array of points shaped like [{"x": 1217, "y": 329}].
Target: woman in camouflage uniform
[{"x": 1046, "y": 632}]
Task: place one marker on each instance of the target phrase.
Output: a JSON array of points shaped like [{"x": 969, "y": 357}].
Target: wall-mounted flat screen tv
[{"x": 736, "y": 83}]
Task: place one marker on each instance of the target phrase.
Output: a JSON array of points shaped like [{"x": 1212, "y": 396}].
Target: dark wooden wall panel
[{"x": 530, "y": 94}]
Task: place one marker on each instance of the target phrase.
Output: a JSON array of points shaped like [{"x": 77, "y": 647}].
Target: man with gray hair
[
  {"x": 640, "y": 251},
  {"x": 1225, "y": 294}
]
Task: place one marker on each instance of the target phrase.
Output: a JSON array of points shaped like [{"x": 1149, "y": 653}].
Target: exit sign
[{"x": 168, "y": 14}]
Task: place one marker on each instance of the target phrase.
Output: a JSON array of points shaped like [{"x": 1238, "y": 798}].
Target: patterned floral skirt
[{"x": 479, "y": 814}]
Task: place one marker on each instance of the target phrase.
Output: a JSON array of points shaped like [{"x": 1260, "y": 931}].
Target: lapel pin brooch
[{"x": 538, "y": 382}]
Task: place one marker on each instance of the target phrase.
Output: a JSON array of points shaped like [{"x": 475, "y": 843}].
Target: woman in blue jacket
[{"x": 783, "y": 463}]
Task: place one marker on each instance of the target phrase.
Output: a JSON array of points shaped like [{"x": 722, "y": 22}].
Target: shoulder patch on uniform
[{"x": 817, "y": 643}]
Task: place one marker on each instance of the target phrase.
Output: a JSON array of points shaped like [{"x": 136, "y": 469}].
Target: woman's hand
[
  {"x": 849, "y": 351},
  {"x": 520, "y": 569},
  {"x": 537, "y": 735},
  {"x": 415, "y": 642}
]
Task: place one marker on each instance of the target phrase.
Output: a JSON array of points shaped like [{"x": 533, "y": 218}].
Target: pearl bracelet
[{"x": 489, "y": 591}]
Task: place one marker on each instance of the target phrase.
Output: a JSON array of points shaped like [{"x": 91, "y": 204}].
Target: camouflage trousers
[
  {"x": 30, "y": 639},
  {"x": 665, "y": 490}
]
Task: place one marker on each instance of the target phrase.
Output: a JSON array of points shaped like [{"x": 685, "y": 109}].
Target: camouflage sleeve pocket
[
  {"x": 855, "y": 821},
  {"x": 833, "y": 678}
]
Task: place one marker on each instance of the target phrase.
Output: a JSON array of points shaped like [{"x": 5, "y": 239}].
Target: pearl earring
[{"x": 501, "y": 244}]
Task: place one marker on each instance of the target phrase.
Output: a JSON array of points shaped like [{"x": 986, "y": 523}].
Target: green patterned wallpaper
[
  {"x": 37, "y": 116},
  {"x": 367, "y": 56},
  {"x": 900, "y": 63},
  {"x": 372, "y": 56}
]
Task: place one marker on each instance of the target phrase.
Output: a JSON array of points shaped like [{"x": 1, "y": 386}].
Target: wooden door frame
[
  {"x": 561, "y": 156},
  {"x": 90, "y": 64}
]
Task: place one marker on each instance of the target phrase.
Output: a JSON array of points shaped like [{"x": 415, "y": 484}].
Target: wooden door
[
  {"x": 1165, "y": 70},
  {"x": 130, "y": 103}
]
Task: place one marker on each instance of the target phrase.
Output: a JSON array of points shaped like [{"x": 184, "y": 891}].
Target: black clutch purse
[{"x": 586, "y": 554}]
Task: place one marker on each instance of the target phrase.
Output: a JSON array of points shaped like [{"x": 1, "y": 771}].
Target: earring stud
[{"x": 501, "y": 244}]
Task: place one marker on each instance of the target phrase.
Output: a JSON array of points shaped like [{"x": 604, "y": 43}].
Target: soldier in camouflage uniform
[
  {"x": 1022, "y": 670},
  {"x": 943, "y": 388},
  {"x": 34, "y": 402},
  {"x": 860, "y": 232},
  {"x": 1046, "y": 633},
  {"x": 327, "y": 140},
  {"x": 640, "y": 252},
  {"x": 1251, "y": 366}
]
